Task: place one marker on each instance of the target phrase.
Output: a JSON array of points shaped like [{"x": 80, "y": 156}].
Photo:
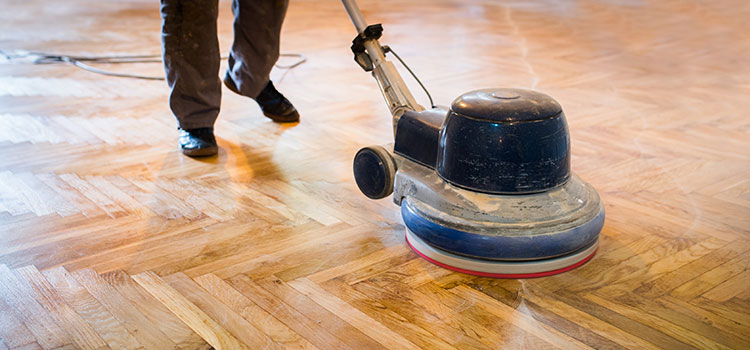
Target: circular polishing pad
[{"x": 501, "y": 269}]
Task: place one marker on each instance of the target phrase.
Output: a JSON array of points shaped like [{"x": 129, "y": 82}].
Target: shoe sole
[
  {"x": 283, "y": 119},
  {"x": 201, "y": 152}
]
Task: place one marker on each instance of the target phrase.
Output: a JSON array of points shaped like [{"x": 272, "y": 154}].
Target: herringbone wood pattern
[{"x": 110, "y": 238}]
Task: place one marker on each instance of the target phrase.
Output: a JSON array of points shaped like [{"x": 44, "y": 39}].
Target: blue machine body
[
  {"x": 499, "y": 247},
  {"x": 488, "y": 180}
]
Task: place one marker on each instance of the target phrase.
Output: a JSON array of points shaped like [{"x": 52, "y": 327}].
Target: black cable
[{"x": 387, "y": 49}]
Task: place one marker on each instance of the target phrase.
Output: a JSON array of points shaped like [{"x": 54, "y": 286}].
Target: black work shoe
[
  {"x": 276, "y": 106},
  {"x": 198, "y": 142}
]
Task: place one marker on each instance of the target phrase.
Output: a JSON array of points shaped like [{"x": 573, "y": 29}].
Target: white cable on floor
[{"x": 78, "y": 61}]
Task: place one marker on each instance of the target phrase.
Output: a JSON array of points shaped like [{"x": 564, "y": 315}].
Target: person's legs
[
  {"x": 257, "y": 34},
  {"x": 190, "y": 48},
  {"x": 255, "y": 50}
]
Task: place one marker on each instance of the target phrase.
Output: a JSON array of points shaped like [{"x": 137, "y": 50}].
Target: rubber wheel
[{"x": 374, "y": 172}]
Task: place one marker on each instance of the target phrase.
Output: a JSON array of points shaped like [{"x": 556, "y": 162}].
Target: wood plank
[
  {"x": 689, "y": 317},
  {"x": 309, "y": 329},
  {"x": 32, "y": 346},
  {"x": 101, "y": 320},
  {"x": 162, "y": 250},
  {"x": 711, "y": 278},
  {"x": 33, "y": 200},
  {"x": 693, "y": 270},
  {"x": 310, "y": 309},
  {"x": 52, "y": 199},
  {"x": 131, "y": 253},
  {"x": 250, "y": 311},
  {"x": 269, "y": 254},
  {"x": 118, "y": 196},
  {"x": 13, "y": 331},
  {"x": 447, "y": 331},
  {"x": 195, "y": 318},
  {"x": 224, "y": 240},
  {"x": 157, "y": 313},
  {"x": 724, "y": 309},
  {"x": 88, "y": 238},
  {"x": 588, "y": 321},
  {"x": 44, "y": 328},
  {"x": 98, "y": 198},
  {"x": 382, "y": 314},
  {"x": 730, "y": 288},
  {"x": 673, "y": 330},
  {"x": 233, "y": 323},
  {"x": 81, "y": 334},
  {"x": 635, "y": 327},
  {"x": 375, "y": 330},
  {"x": 84, "y": 205},
  {"x": 313, "y": 209},
  {"x": 135, "y": 322},
  {"x": 378, "y": 256},
  {"x": 11, "y": 198},
  {"x": 520, "y": 300}
]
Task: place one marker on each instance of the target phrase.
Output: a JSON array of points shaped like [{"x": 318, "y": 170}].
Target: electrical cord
[
  {"x": 388, "y": 49},
  {"x": 300, "y": 60},
  {"x": 81, "y": 62}
]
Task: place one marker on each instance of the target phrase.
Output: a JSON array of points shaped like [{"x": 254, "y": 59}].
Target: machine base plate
[{"x": 500, "y": 269}]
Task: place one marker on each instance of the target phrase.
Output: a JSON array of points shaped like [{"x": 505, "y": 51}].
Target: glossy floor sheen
[{"x": 109, "y": 237}]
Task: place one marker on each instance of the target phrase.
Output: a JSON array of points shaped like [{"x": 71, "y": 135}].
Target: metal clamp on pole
[{"x": 373, "y": 31}]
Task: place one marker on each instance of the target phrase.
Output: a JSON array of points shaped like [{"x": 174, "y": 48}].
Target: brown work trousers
[{"x": 190, "y": 49}]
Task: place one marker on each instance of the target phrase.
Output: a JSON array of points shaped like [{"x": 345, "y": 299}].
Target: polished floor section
[{"x": 110, "y": 238}]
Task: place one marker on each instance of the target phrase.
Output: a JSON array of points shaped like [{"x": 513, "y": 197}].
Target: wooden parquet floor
[{"x": 110, "y": 238}]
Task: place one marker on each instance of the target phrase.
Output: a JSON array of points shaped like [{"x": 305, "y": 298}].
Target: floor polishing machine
[{"x": 485, "y": 186}]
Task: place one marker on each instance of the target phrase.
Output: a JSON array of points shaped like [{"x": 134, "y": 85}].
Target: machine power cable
[
  {"x": 388, "y": 49},
  {"x": 83, "y": 62}
]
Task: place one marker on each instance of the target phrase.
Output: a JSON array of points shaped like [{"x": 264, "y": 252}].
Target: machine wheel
[{"x": 374, "y": 171}]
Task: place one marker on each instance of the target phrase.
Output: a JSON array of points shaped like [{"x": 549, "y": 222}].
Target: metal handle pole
[
  {"x": 394, "y": 90},
  {"x": 355, "y": 14}
]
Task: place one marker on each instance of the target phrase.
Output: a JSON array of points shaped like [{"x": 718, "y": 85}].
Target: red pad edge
[{"x": 503, "y": 275}]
